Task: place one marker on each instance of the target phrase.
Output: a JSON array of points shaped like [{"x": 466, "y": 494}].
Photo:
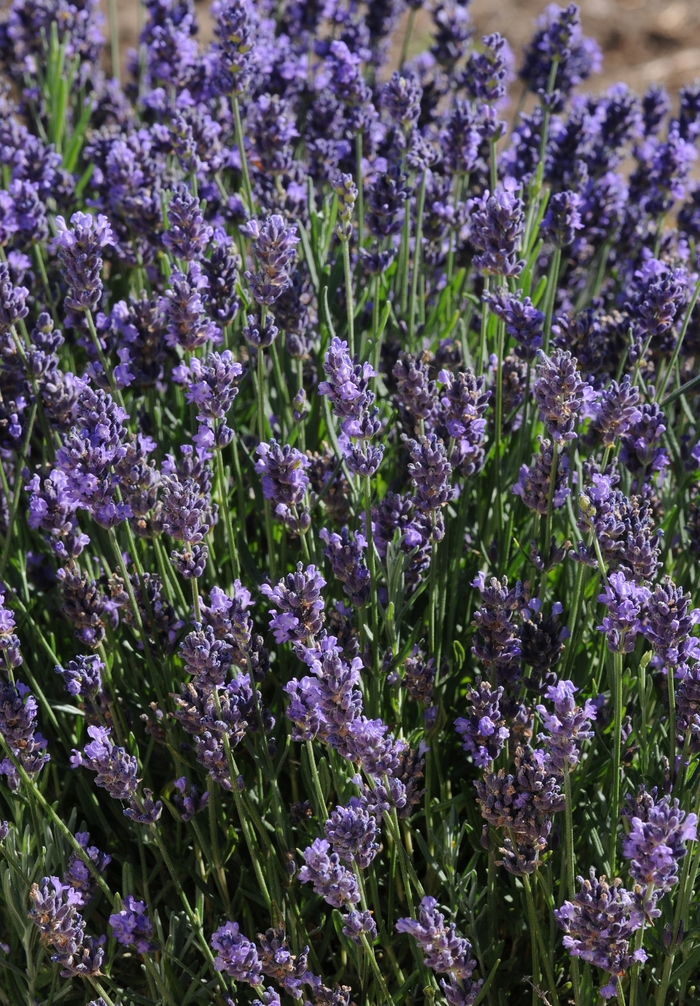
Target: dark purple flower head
[
  {"x": 18, "y": 709},
  {"x": 483, "y": 731},
  {"x": 430, "y": 472},
  {"x": 642, "y": 451},
  {"x": 497, "y": 221},
  {"x": 284, "y": 481},
  {"x": 132, "y": 927},
  {"x": 559, "y": 39},
  {"x": 460, "y": 138},
  {"x": 186, "y": 510},
  {"x": 464, "y": 400},
  {"x": 655, "y": 106},
  {"x": 343, "y": 69},
  {"x": 212, "y": 384},
  {"x": 358, "y": 924},
  {"x": 345, "y": 554},
  {"x": 234, "y": 26},
  {"x": 689, "y": 113},
  {"x": 452, "y": 32},
  {"x": 80, "y": 252},
  {"x": 625, "y": 601},
  {"x": 443, "y": 950},
  {"x": 82, "y": 676},
  {"x": 668, "y": 624},
  {"x": 657, "y": 840},
  {"x": 386, "y": 200},
  {"x": 117, "y": 771},
  {"x": 486, "y": 74},
  {"x": 559, "y": 393},
  {"x": 337, "y": 698},
  {"x": 12, "y": 300},
  {"x": 277, "y": 961},
  {"x": 522, "y": 805},
  {"x": 567, "y": 726},
  {"x": 599, "y": 925},
  {"x": 347, "y": 387},
  {"x": 616, "y": 410},
  {"x": 336, "y": 885},
  {"x": 236, "y": 955},
  {"x": 274, "y": 245},
  {"x": 55, "y": 913},
  {"x": 10, "y": 655},
  {"x": 77, "y": 873},
  {"x": 257, "y": 336},
  {"x": 534, "y": 482},
  {"x": 300, "y": 606},
  {"x": 401, "y": 98},
  {"x": 206, "y": 658},
  {"x": 523, "y": 322},
  {"x": 414, "y": 389},
  {"x": 352, "y": 830},
  {"x": 419, "y": 676},
  {"x": 562, "y": 219},
  {"x": 187, "y": 235},
  {"x": 659, "y": 294},
  {"x": 189, "y": 801},
  {"x": 499, "y": 645},
  {"x": 221, "y": 271},
  {"x": 187, "y": 322}
]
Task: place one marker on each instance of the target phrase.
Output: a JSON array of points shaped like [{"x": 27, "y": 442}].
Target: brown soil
[{"x": 642, "y": 40}]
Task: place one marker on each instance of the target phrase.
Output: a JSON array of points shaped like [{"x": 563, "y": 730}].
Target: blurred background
[{"x": 642, "y": 40}]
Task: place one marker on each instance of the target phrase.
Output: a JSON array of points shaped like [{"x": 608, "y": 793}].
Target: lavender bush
[{"x": 349, "y": 514}]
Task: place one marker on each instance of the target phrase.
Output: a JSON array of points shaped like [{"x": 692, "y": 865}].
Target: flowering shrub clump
[{"x": 349, "y": 514}]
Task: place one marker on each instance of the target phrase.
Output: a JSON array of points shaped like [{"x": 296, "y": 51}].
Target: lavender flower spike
[
  {"x": 559, "y": 393},
  {"x": 275, "y": 249},
  {"x": 599, "y": 925},
  {"x": 132, "y": 926},
  {"x": 624, "y": 600},
  {"x": 567, "y": 726},
  {"x": 79, "y": 249},
  {"x": 236, "y": 955},
  {"x": 329, "y": 878}
]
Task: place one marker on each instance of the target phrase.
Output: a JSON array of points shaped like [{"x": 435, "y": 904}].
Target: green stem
[
  {"x": 571, "y": 871},
  {"x": 416, "y": 260},
  {"x": 241, "y": 152},
  {"x": 349, "y": 306},
  {"x": 407, "y": 37},
  {"x": 617, "y": 751},
  {"x": 228, "y": 526},
  {"x": 551, "y": 294}
]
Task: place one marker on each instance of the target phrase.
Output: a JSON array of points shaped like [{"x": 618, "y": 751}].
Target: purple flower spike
[
  {"x": 117, "y": 771},
  {"x": 624, "y": 600},
  {"x": 352, "y": 831},
  {"x": 559, "y": 393},
  {"x": 298, "y": 598},
  {"x": 567, "y": 726},
  {"x": 80, "y": 252},
  {"x": 443, "y": 950},
  {"x": 430, "y": 472},
  {"x": 599, "y": 925},
  {"x": 132, "y": 927},
  {"x": 497, "y": 225},
  {"x": 18, "y": 710},
  {"x": 284, "y": 481},
  {"x": 345, "y": 555},
  {"x": 534, "y": 484},
  {"x": 336, "y": 885},
  {"x": 656, "y": 842},
  {"x": 236, "y": 955},
  {"x": 483, "y": 731},
  {"x": 275, "y": 249}
]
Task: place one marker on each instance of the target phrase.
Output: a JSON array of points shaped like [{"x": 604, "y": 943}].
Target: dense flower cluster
[{"x": 349, "y": 509}]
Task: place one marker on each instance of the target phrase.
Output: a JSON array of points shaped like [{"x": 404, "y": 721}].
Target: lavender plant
[{"x": 349, "y": 515}]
